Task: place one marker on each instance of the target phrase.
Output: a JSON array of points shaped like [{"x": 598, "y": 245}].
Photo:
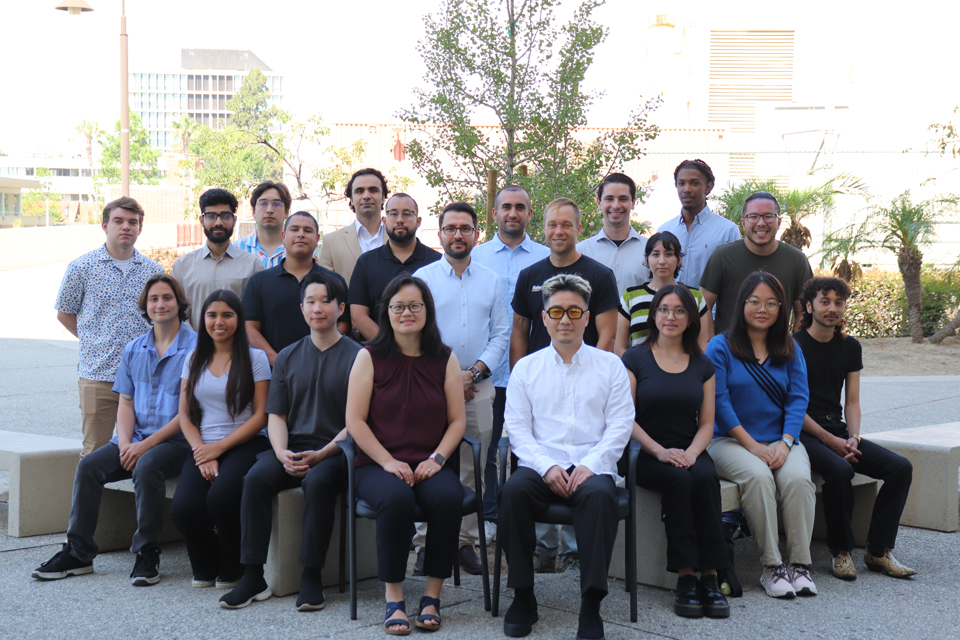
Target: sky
[{"x": 356, "y": 62}]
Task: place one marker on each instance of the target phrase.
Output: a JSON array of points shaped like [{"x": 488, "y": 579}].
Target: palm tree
[
  {"x": 90, "y": 130},
  {"x": 839, "y": 248}
]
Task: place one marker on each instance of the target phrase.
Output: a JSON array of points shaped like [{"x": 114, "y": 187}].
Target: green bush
[{"x": 940, "y": 301}]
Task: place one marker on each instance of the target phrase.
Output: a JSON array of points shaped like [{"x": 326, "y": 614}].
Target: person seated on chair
[
  {"x": 306, "y": 410},
  {"x": 836, "y": 451},
  {"x": 674, "y": 385},
  {"x": 569, "y": 415},
  {"x": 405, "y": 410}
]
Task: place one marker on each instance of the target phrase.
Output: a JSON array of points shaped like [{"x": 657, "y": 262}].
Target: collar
[
  {"x": 576, "y": 359},
  {"x": 418, "y": 250},
  {"x": 526, "y": 244},
  {"x": 103, "y": 255},
  {"x": 282, "y": 270},
  {"x": 231, "y": 250},
  {"x": 185, "y": 338},
  {"x": 448, "y": 268},
  {"x": 602, "y": 234},
  {"x": 360, "y": 229},
  {"x": 703, "y": 212}
]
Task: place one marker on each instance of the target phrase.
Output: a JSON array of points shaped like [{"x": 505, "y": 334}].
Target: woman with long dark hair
[
  {"x": 762, "y": 395},
  {"x": 405, "y": 409},
  {"x": 222, "y": 398},
  {"x": 674, "y": 386}
]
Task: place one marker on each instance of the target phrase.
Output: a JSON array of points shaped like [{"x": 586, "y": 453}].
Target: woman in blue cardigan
[{"x": 762, "y": 396}]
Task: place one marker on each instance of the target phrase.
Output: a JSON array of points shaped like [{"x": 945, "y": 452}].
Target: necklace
[{"x": 675, "y": 360}]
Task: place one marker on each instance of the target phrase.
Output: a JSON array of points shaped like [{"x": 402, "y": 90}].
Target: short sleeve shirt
[
  {"x": 635, "y": 307},
  {"x": 528, "y": 299},
  {"x": 375, "y": 269},
  {"x": 309, "y": 387},
  {"x": 104, "y": 299},
  {"x": 828, "y": 364},
  {"x": 200, "y": 274}
]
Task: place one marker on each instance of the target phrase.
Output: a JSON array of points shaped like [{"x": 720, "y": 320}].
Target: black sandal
[
  {"x": 423, "y": 618},
  {"x": 393, "y": 607}
]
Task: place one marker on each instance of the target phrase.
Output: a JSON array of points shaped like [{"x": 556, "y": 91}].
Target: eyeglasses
[
  {"x": 754, "y": 305},
  {"x": 265, "y": 204},
  {"x": 211, "y": 216},
  {"x": 406, "y": 214},
  {"x": 574, "y": 313},
  {"x": 397, "y": 309},
  {"x": 664, "y": 312},
  {"x": 466, "y": 232},
  {"x": 753, "y": 218}
]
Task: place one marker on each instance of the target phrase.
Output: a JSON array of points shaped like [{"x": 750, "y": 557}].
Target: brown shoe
[
  {"x": 470, "y": 561},
  {"x": 888, "y": 564},
  {"x": 843, "y": 566},
  {"x": 418, "y": 565}
]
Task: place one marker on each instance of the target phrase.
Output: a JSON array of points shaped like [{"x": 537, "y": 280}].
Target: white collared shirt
[
  {"x": 569, "y": 415},
  {"x": 627, "y": 261},
  {"x": 367, "y": 240}
]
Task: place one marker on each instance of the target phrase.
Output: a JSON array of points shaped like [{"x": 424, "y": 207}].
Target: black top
[
  {"x": 528, "y": 300},
  {"x": 668, "y": 404},
  {"x": 828, "y": 364},
  {"x": 309, "y": 387},
  {"x": 272, "y": 297},
  {"x": 377, "y": 267}
]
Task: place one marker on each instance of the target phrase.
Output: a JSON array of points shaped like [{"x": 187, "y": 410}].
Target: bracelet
[{"x": 857, "y": 438}]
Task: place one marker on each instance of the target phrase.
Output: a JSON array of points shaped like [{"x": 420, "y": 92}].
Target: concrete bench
[
  {"x": 41, "y": 481},
  {"x": 934, "y": 452},
  {"x": 118, "y": 521},
  {"x": 652, "y": 537}
]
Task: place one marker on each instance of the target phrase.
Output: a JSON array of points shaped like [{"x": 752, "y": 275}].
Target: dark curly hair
[
  {"x": 369, "y": 171},
  {"x": 697, "y": 165},
  {"x": 816, "y": 286}
]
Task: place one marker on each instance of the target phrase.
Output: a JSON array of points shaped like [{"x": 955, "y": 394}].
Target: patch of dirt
[{"x": 901, "y": 357}]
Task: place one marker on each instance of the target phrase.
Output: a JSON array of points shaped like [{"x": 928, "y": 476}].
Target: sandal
[
  {"x": 393, "y": 607},
  {"x": 423, "y": 618}
]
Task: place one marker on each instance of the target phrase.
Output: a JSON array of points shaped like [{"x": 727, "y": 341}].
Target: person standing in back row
[{"x": 340, "y": 250}]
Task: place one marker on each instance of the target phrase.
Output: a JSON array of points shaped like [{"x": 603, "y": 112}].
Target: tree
[
  {"x": 947, "y": 135},
  {"x": 36, "y": 202},
  {"x": 89, "y": 130},
  {"x": 144, "y": 168},
  {"x": 185, "y": 127},
  {"x": 509, "y": 63},
  {"x": 250, "y": 105}
]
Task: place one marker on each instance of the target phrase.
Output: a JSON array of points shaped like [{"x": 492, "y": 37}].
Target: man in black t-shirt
[
  {"x": 306, "y": 409},
  {"x": 834, "y": 445}
]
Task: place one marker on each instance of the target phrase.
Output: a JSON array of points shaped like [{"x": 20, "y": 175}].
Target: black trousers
[
  {"x": 874, "y": 462},
  {"x": 526, "y": 496},
  {"x": 207, "y": 514},
  {"x": 692, "y": 511},
  {"x": 321, "y": 486},
  {"x": 441, "y": 499}
]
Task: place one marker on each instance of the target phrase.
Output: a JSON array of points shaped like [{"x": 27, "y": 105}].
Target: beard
[
  {"x": 402, "y": 238},
  {"x": 218, "y": 234}
]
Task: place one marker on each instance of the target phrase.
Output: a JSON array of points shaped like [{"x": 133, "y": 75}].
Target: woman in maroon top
[{"x": 405, "y": 409}]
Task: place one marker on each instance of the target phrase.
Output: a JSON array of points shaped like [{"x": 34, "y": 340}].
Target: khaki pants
[
  {"x": 479, "y": 426},
  {"x": 761, "y": 489},
  {"x": 98, "y": 408}
]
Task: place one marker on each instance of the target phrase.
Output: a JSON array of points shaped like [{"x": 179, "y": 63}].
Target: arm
[
  {"x": 519, "y": 338},
  {"x": 618, "y": 417},
  {"x": 518, "y": 422},
  {"x": 279, "y": 435},
  {"x": 68, "y": 320},
  {"x": 851, "y": 404},
  {"x": 251, "y": 426},
  {"x": 648, "y": 444},
  {"x": 706, "y": 327},
  {"x": 797, "y": 316},
  {"x": 343, "y": 327},
  {"x": 456, "y": 420},
  {"x": 500, "y": 329},
  {"x": 622, "y": 341},
  {"x": 607, "y": 329},
  {"x": 362, "y": 321},
  {"x": 798, "y": 395},
  {"x": 705, "y": 430},
  {"x": 257, "y": 340},
  {"x": 709, "y": 299}
]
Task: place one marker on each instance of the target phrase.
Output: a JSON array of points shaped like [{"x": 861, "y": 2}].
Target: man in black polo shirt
[
  {"x": 306, "y": 408},
  {"x": 402, "y": 254},
  {"x": 272, "y": 296}
]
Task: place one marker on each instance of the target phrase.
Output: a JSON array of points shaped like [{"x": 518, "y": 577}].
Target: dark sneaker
[
  {"x": 470, "y": 560},
  {"x": 145, "y": 569},
  {"x": 61, "y": 565},
  {"x": 418, "y": 565},
  {"x": 248, "y": 590},
  {"x": 311, "y": 590}
]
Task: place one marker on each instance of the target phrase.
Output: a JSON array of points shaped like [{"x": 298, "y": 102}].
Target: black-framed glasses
[
  {"x": 397, "y": 309},
  {"x": 574, "y": 313},
  {"x": 211, "y": 216},
  {"x": 754, "y": 218},
  {"x": 664, "y": 312},
  {"x": 466, "y": 232}
]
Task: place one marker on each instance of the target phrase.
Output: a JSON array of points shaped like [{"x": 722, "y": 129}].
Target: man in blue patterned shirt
[
  {"x": 97, "y": 302},
  {"x": 148, "y": 447}
]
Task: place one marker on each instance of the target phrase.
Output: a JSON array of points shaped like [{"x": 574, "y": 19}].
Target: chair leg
[
  {"x": 484, "y": 569},
  {"x": 352, "y": 537},
  {"x": 456, "y": 569},
  {"x": 496, "y": 577},
  {"x": 632, "y": 564},
  {"x": 343, "y": 543}
]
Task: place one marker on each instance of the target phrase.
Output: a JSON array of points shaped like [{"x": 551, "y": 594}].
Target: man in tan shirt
[{"x": 366, "y": 192}]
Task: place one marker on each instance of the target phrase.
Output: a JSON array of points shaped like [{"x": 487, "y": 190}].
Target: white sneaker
[
  {"x": 490, "y": 531},
  {"x": 801, "y": 580},
  {"x": 776, "y": 582}
]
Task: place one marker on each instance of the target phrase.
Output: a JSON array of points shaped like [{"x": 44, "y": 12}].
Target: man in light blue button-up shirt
[
  {"x": 472, "y": 318},
  {"x": 508, "y": 253}
]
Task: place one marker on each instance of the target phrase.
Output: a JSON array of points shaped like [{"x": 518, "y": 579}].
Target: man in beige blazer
[{"x": 366, "y": 192}]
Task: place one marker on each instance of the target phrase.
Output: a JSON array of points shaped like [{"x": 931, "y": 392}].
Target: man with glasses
[
  {"x": 271, "y": 206},
  {"x": 218, "y": 264},
  {"x": 759, "y": 250},
  {"x": 341, "y": 249},
  {"x": 403, "y": 253},
  {"x": 473, "y": 322},
  {"x": 569, "y": 414}
]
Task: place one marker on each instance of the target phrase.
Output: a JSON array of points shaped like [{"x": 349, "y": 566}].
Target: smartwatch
[
  {"x": 789, "y": 443},
  {"x": 437, "y": 457},
  {"x": 478, "y": 376}
]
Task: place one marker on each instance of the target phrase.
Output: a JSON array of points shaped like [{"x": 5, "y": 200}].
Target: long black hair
[
  {"x": 240, "y": 385},
  {"x": 385, "y": 345},
  {"x": 779, "y": 342},
  {"x": 691, "y": 334}
]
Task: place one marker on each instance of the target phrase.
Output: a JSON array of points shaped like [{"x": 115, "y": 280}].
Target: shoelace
[
  {"x": 800, "y": 571},
  {"x": 780, "y": 573}
]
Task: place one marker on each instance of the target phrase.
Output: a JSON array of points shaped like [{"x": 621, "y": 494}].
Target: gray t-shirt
[
  {"x": 309, "y": 386},
  {"x": 211, "y": 393}
]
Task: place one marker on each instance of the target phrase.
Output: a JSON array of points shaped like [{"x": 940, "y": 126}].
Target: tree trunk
[
  {"x": 947, "y": 330},
  {"x": 910, "y": 260}
]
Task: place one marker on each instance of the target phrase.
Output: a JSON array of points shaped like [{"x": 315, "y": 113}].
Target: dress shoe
[
  {"x": 522, "y": 614},
  {"x": 843, "y": 566},
  {"x": 544, "y": 563},
  {"x": 470, "y": 561},
  {"x": 686, "y": 602},
  {"x": 888, "y": 564},
  {"x": 418, "y": 565},
  {"x": 714, "y": 604}
]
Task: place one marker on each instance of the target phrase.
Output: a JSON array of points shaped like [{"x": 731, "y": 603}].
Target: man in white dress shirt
[
  {"x": 569, "y": 415},
  {"x": 472, "y": 316}
]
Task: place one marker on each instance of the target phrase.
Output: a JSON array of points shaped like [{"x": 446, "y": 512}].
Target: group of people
[{"x": 242, "y": 370}]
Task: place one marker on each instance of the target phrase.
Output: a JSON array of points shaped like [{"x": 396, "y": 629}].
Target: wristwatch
[
  {"x": 789, "y": 442},
  {"x": 478, "y": 376},
  {"x": 857, "y": 438},
  {"x": 437, "y": 457}
]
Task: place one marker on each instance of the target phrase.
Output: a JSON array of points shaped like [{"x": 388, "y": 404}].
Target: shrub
[{"x": 166, "y": 257}]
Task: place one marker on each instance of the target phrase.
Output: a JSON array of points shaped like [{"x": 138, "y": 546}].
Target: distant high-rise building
[{"x": 200, "y": 88}]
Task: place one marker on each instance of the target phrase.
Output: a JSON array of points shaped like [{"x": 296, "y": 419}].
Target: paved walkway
[{"x": 38, "y": 394}]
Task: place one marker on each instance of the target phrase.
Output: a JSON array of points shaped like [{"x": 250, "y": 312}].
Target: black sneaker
[
  {"x": 62, "y": 565},
  {"x": 145, "y": 569},
  {"x": 311, "y": 590},
  {"x": 249, "y": 589}
]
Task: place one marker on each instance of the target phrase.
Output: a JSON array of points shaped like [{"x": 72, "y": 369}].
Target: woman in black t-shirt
[{"x": 674, "y": 387}]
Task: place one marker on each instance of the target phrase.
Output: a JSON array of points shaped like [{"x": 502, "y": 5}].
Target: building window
[
  {"x": 206, "y": 83},
  {"x": 29, "y": 171},
  {"x": 86, "y": 173},
  {"x": 229, "y": 83},
  {"x": 190, "y": 84},
  {"x": 206, "y": 102},
  {"x": 222, "y": 103},
  {"x": 74, "y": 197}
]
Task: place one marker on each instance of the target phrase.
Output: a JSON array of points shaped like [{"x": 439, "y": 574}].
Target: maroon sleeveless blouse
[{"x": 408, "y": 407}]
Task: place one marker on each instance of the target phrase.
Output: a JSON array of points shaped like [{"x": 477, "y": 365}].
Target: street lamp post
[{"x": 75, "y": 8}]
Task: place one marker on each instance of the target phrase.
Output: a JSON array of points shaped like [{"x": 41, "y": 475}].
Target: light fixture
[{"x": 74, "y": 7}]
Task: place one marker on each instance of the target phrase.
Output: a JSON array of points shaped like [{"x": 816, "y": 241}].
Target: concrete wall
[{"x": 31, "y": 247}]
